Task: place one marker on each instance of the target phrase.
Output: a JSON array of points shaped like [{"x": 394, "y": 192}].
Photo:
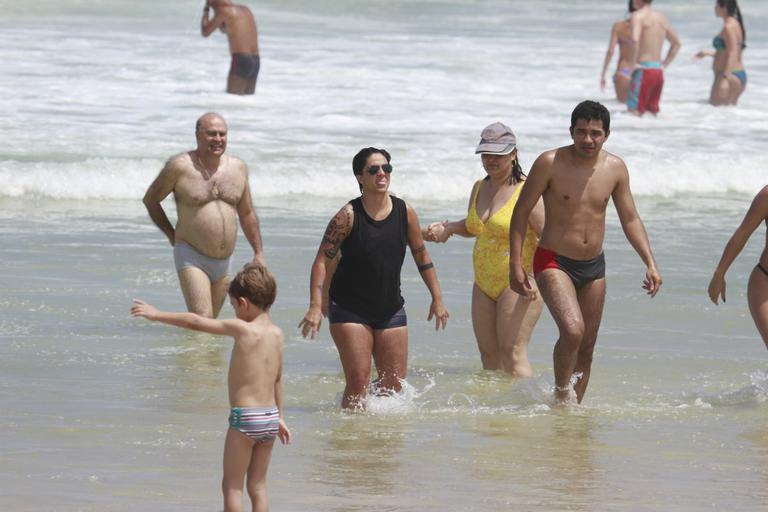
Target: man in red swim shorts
[
  {"x": 649, "y": 30},
  {"x": 576, "y": 183}
]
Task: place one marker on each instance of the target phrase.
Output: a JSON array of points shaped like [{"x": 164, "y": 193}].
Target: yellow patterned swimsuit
[{"x": 490, "y": 257}]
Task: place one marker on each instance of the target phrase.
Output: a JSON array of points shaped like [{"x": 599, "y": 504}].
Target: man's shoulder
[
  {"x": 179, "y": 163},
  {"x": 613, "y": 164},
  {"x": 548, "y": 157},
  {"x": 236, "y": 163}
]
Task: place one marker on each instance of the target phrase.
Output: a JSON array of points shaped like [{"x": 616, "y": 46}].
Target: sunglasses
[{"x": 374, "y": 169}]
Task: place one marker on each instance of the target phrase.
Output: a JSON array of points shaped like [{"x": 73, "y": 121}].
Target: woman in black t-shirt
[{"x": 364, "y": 304}]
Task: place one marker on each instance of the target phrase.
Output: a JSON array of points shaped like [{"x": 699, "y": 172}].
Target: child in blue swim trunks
[{"x": 255, "y": 383}]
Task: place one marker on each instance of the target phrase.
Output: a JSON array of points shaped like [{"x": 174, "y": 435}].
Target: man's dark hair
[{"x": 591, "y": 110}]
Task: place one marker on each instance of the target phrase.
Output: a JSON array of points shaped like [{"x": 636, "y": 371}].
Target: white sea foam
[{"x": 98, "y": 121}]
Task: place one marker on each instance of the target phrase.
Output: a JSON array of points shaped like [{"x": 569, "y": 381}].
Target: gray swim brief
[{"x": 184, "y": 255}]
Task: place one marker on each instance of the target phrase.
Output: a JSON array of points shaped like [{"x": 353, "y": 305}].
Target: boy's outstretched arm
[{"x": 186, "y": 320}]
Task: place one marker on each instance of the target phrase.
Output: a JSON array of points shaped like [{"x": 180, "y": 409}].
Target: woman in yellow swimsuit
[{"x": 502, "y": 320}]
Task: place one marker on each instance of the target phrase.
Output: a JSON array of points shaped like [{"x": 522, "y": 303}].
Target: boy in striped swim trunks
[{"x": 255, "y": 381}]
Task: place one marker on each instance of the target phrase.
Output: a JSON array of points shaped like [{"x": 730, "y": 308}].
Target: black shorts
[
  {"x": 245, "y": 66},
  {"x": 339, "y": 315}
]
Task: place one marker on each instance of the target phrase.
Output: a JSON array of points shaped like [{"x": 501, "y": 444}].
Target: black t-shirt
[{"x": 367, "y": 279}]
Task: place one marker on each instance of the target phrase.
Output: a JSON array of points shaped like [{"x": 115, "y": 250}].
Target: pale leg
[
  {"x": 219, "y": 291},
  {"x": 757, "y": 296},
  {"x": 591, "y": 300},
  {"x": 559, "y": 294},
  {"x": 196, "y": 288},
  {"x": 237, "y": 458},
  {"x": 390, "y": 353},
  {"x": 515, "y": 319},
  {"x": 484, "y": 325},
  {"x": 257, "y": 476},
  {"x": 355, "y": 345}
]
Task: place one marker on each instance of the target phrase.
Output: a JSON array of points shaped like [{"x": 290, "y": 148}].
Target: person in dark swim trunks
[
  {"x": 580, "y": 272},
  {"x": 757, "y": 289},
  {"x": 576, "y": 183},
  {"x": 364, "y": 304},
  {"x": 245, "y": 66},
  {"x": 238, "y": 23}
]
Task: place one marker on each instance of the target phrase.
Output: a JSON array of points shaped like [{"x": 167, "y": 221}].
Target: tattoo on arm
[
  {"x": 419, "y": 249},
  {"x": 335, "y": 235},
  {"x": 425, "y": 267}
]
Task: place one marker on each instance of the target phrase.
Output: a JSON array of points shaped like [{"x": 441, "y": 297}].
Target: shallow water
[{"x": 99, "y": 411}]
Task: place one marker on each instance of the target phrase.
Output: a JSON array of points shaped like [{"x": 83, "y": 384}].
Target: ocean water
[{"x": 99, "y": 411}]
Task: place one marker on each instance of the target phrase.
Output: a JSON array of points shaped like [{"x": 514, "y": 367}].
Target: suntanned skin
[
  {"x": 650, "y": 29},
  {"x": 576, "y": 183},
  {"x": 255, "y": 380},
  {"x": 211, "y": 192},
  {"x": 620, "y": 30},
  {"x": 757, "y": 288},
  {"x": 356, "y": 343},
  {"x": 238, "y": 23}
]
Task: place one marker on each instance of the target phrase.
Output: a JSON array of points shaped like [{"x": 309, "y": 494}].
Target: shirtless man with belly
[{"x": 211, "y": 191}]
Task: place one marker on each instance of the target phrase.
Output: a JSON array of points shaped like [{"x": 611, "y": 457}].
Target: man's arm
[
  {"x": 209, "y": 25},
  {"x": 674, "y": 44},
  {"x": 426, "y": 269},
  {"x": 337, "y": 231},
  {"x": 535, "y": 185},
  {"x": 634, "y": 229},
  {"x": 536, "y": 218},
  {"x": 159, "y": 190},
  {"x": 191, "y": 321},
  {"x": 249, "y": 222}
]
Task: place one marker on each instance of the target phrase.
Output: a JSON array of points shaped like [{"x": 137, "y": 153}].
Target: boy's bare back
[{"x": 256, "y": 363}]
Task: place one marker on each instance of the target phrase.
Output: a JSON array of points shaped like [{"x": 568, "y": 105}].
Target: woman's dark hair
[
  {"x": 631, "y": 7},
  {"x": 732, "y": 8},
  {"x": 517, "y": 172},
  {"x": 361, "y": 158},
  {"x": 591, "y": 110}
]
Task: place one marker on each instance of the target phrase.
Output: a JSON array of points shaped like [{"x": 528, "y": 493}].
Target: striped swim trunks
[{"x": 259, "y": 423}]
